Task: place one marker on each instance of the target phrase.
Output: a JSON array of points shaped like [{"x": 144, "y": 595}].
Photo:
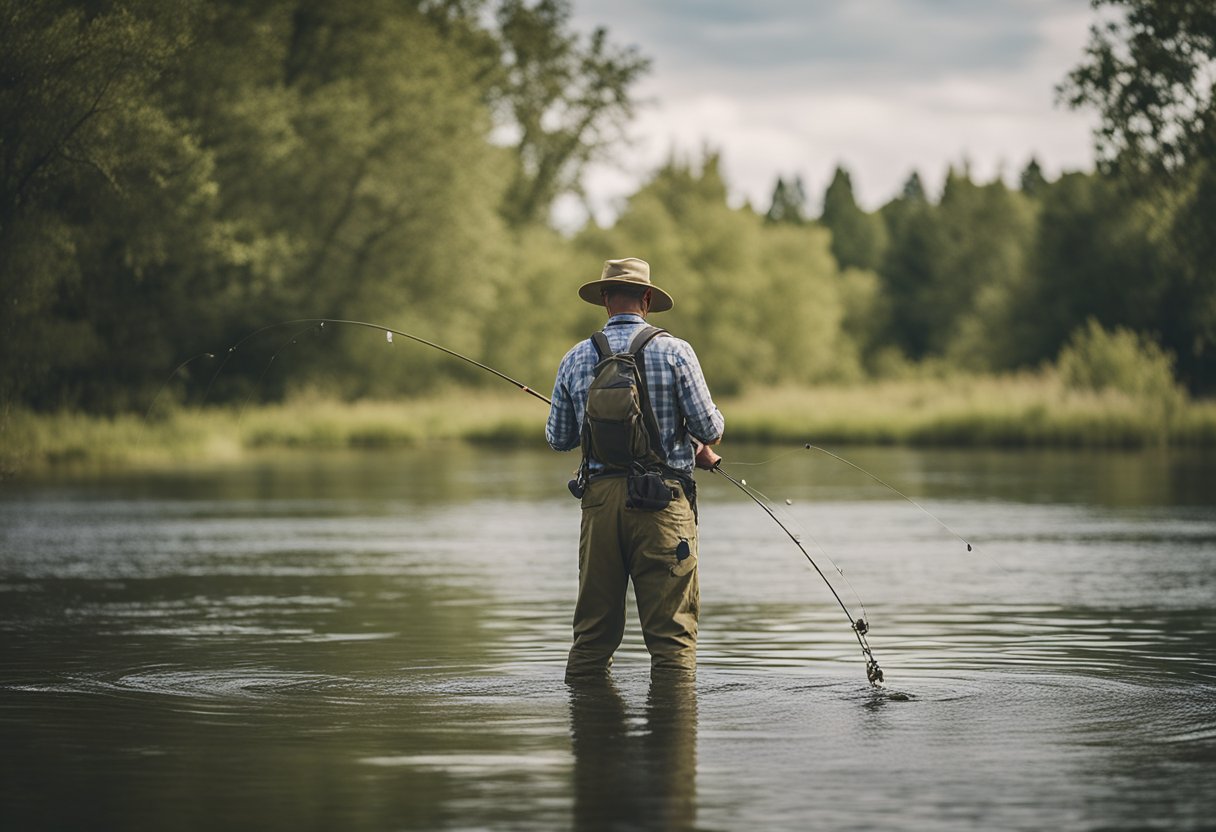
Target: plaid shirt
[{"x": 678, "y": 393}]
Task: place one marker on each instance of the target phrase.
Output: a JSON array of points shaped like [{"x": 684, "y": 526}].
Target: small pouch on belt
[{"x": 647, "y": 491}]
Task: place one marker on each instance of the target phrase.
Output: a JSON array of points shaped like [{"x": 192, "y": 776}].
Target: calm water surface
[{"x": 376, "y": 641}]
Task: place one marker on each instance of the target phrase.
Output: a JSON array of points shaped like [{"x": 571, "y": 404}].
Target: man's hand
[{"x": 706, "y": 458}]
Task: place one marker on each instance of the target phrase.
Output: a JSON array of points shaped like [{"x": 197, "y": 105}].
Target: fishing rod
[
  {"x": 172, "y": 375},
  {"x": 859, "y": 625},
  {"x": 291, "y": 341},
  {"x": 389, "y": 333}
]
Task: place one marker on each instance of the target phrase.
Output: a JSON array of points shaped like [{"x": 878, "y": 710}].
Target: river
[{"x": 367, "y": 641}]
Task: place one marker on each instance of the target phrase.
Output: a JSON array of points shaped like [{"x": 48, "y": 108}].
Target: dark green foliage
[
  {"x": 1186, "y": 270},
  {"x": 913, "y": 189},
  {"x": 106, "y": 200},
  {"x": 1148, "y": 72},
  {"x": 175, "y": 174},
  {"x": 859, "y": 240},
  {"x": 908, "y": 270},
  {"x": 1032, "y": 181},
  {"x": 789, "y": 202},
  {"x": 1091, "y": 259}
]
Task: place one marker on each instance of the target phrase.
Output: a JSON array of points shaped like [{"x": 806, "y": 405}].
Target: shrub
[{"x": 1100, "y": 360}]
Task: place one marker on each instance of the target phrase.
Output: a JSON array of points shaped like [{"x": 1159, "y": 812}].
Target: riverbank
[{"x": 1017, "y": 411}]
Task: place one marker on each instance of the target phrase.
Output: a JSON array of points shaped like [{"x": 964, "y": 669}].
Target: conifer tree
[
  {"x": 858, "y": 239},
  {"x": 789, "y": 202}
]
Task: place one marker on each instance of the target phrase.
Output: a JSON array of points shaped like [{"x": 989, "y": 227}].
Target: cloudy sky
[{"x": 795, "y": 87}]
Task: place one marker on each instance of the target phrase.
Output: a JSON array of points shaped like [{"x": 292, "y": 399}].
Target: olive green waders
[{"x": 617, "y": 544}]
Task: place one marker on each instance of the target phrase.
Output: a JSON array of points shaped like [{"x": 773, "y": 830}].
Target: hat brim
[{"x": 660, "y": 301}]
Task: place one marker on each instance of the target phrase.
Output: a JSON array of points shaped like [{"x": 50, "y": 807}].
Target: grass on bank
[
  {"x": 1018, "y": 411},
  {"x": 1029, "y": 410}
]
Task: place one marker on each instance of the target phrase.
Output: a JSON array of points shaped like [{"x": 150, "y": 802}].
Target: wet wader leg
[
  {"x": 667, "y": 587},
  {"x": 599, "y": 612}
]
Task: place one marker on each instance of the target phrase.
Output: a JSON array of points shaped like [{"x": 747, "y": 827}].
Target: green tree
[
  {"x": 987, "y": 233},
  {"x": 176, "y": 173},
  {"x": 788, "y": 204},
  {"x": 358, "y": 179},
  {"x": 761, "y": 302},
  {"x": 1032, "y": 182},
  {"x": 1187, "y": 275},
  {"x": 908, "y": 268},
  {"x": 1091, "y": 258},
  {"x": 913, "y": 189},
  {"x": 567, "y": 100},
  {"x": 1148, "y": 71},
  {"x": 108, "y": 233},
  {"x": 859, "y": 240},
  {"x": 954, "y": 272}
]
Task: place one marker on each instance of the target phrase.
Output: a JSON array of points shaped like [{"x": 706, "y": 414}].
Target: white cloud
[{"x": 882, "y": 86}]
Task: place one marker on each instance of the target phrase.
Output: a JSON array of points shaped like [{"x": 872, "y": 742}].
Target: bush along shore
[{"x": 1033, "y": 410}]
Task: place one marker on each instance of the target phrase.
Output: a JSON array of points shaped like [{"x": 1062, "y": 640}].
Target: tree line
[{"x": 176, "y": 174}]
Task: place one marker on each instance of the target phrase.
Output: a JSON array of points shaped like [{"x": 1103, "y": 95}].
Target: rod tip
[{"x": 968, "y": 546}]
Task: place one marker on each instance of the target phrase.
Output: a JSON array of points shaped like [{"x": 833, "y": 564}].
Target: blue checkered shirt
[{"x": 678, "y": 393}]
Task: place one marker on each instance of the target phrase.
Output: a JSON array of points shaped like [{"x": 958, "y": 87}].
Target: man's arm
[
  {"x": 562, "y": 429},
  {"x": 702, "y": 418}
]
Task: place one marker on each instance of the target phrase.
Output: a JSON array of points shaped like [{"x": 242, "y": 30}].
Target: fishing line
[
  {"x": 883, "y": 482},
  {"x": 809, "y": 447},
  {"x": 859, "y": 626},
  {"x": 776, "y": 458},
  {"x": 262, "y": 377},
  {"x": 389, "y": 331},
  {"x": 800, "y": 533},
  {"x": 172, "y": 375}
]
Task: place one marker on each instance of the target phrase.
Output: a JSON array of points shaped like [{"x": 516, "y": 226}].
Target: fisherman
[{"x": 618, "y": 540}]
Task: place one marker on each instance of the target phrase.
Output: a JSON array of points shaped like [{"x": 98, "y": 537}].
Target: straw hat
[{"x": 629, "y": 271}]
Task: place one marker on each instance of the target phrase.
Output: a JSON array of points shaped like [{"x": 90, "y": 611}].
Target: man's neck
[{"x": 628, "y": 311}]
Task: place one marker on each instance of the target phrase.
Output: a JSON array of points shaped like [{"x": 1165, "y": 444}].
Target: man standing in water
[{"x": 625, "y": 534}]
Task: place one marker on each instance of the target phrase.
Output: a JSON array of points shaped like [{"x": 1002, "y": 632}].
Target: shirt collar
[{"x": 625, "y": 318}]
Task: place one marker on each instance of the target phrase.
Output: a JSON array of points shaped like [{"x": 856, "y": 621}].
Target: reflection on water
[
  {"x": 634, "y": 771},
  {"x": 378, "y": 641}
]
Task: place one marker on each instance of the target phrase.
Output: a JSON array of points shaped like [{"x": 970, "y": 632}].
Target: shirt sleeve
[
  {"x": 702, "y": 418},
  {"x": 562, "y": 429}
]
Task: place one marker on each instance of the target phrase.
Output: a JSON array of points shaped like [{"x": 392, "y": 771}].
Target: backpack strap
[
  {"x": 636, "y": 344},
  {"x": 600, "y": 341},
  {"x": 643, "y": 337}
]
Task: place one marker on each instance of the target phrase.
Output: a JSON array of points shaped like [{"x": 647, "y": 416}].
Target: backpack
[{"x": 619, "y": 426}]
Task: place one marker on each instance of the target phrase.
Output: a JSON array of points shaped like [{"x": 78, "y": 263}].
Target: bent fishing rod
[
  {"x": 389, "y": 332},
  {"x": 858, "y": 625}
]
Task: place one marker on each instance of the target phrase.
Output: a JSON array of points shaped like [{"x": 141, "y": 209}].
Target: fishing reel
[{"x": 873, "y": 671}]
